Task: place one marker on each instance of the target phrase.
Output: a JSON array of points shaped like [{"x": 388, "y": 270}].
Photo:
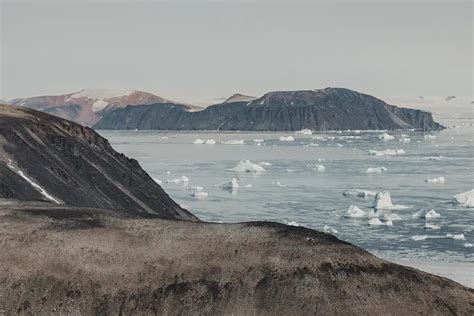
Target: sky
[{"x": 193, "y": 51}]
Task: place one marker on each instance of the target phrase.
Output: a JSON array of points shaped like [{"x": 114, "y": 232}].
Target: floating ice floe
[
  {"x": 426, "y": 214},
  {"x": 378, "y": 222},
  {"x": 359, "y": 193},
  {"x": 387, "y": 152},
  {"x": 429, "y": 136},
  {"x": 439, "y": 180},
  {"x": 258, "y": 140},
  {"x": 231, "y": 185},
  {"x": 183, "y": 179},
  {"x": 158, "y": 181},
  {"x": 432, "y": 158},
  {"x": 456, "y": 237},
  {"x": 404, "y": 140},
  {"x": 264, "y": 164},
  {"x": 468, "y": 245},
  {"x": 289, "y": 170},
  {"x": 200, "y": 195},
  {"x": 199, "y": 141},
  {"x": 248, "y": 166},
  {"x": 305, "y": 131},
  {"x": 355, "y": 212},
  {"x": 329, "y": 230},
  {"x": 233, "y": 142},
  {"x": 465, "y": 199},
  {"x": 386, "y": 136},
  {"x": 286, "y": 138},
  {"x": 293, "y": 223},
  {"x": 196, "y": 188},
  {"x": 391, "y": 217},
  {"x": 423, "y": 237},
  {"x": 383, "y": 201},
  {"x": 278, "y": 184},
  {"x": 339, "y": 145},
  {"x": 210, "y": 142},
  {"x": 320, "y": 168},
  {"x": 376, "y": 169},
  {"x": 313, "y": 145},
  {"x": 431, "y": 226}
]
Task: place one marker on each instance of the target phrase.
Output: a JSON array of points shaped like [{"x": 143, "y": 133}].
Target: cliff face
[
  {"x": 327, "y": 109},
  {"x": 43, "y": 157}
]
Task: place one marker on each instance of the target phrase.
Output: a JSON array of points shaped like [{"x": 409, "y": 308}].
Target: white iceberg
[
  {"x": 429, "y": 137},
  {"x": 465, "y": 199},
  {"x": 210, "y": 142},
  {"x": 432, "y": 158},
  {"x": 378, "y": 222},
  {"x": 248, "y": 166},
  {"x": 339, "y": 145},
  {"x": 320, "y": 168},
  {"x": 231, "y": 185},
  {"x": 293, "y": 223},
  {"x": 200, "y": 195},
  {"x": 387, "y": 152},
  {"x": 468, "y": 245},
  {"x": 386, "y": 136},
  {"x": 426, "y": 214},
  {"x": 233, "y": 142},
  {"x": 431, "y": 226},
  {"x": 258, "y": 140},
  {"x": 456, "y": 237},
  {"x": 305, "y": 131},
  {"x": 329, "y": 230},
  {"x": 391, "y": 217},
  {"x": 183, "y": 179},
  {"x": 355, "y": 212},
  {"x": 359, "y": 193},
  {"x": 264, "y": 164},
  {"x": 196, "y": 188},
  {"x": 278, "y": 184},
  {"x": 199, "y": 141},
  {"x": 376, "y": 169},
  {"x": 313, "y": 145},
  {"x": 439, "y": 180},
  {"x": 383, "y": 201},
  {"x": 404, "y": 140},
  {"x": 286, "y": 138}
]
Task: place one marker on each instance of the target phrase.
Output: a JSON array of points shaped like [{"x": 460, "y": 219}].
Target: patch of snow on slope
[
  {"x": 99, "y": 105},
  {"x": 96, "y": 94},
  {"x": 39, "y": 188}
]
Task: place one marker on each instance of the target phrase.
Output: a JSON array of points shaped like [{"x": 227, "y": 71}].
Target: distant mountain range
[
  {"x": 89, "y": 105},
  {"x": 321, "y": 109}
]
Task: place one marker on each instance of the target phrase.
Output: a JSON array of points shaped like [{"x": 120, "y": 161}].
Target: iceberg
[
  {"x": 183, "y": 179},
  {"x": 391, "y": 217},
  {"x": 264, "y": 164},
  {"x": 383, "y": 201},
  {"x": 339, "y": 145},
  {"x": 278, "y": 184},
  {"x": 465, "y": 199},
  {"x": 355, "y": 212},
  {"x": 231, "y": 185},
  {"x": 378, "y": 222},
  {"x": 329, "y": 230},
  {"x": 431, "y": 226},
  {"x": 426, "y": 214},
  {"x": 376, "y": 170},
  {"x": 359, "y": 193},
  {"x": 210, "y": 142},
  {"x": 429, "y": 136},
  {"x": 439, "y": 180},
  {"x": 248, "y": 166},
  {"x": 404, "y": 140},
  {"x": 233, "y": 142},
  {"x": 456, "y": 237},
  {"x": 386, "y": 137},
  {"x": 313, "y": 145},
  {"x": 199, "y": 141},
  {"x": 293, "y": 223},
  {"x": 468, "y": 245},
  {"x": 320, "y": 168},
  {"x": 200, "y": 195},
  {"x": 432, "y": 158},
  {"x": 387, "y": 152},
  {"x": 286, "y": 138},
  {"x": 196, "y": 188},
  {"x": 258, "y": 140},
  {"x": 305, "y": 131}
]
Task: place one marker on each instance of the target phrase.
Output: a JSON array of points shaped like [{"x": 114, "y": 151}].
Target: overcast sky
[{"x": 198, "y": 50}]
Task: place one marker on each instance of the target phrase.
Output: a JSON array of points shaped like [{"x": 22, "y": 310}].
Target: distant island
[{"x": 319, "y": 110}]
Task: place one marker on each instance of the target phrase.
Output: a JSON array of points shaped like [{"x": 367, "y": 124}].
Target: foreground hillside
[
  {"x": 43, "y": 157},
  {"x": 86, "y": 261},
  {"x": 326, "y": 109}
]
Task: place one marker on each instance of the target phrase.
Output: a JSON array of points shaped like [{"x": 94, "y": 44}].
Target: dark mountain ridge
[{"x": 325, "y": 109}]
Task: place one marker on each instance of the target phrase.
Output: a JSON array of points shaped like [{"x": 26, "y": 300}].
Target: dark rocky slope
[
  {"x": 43, "y": 157},
  {"x": 80, "y": 261},
  {"x": 326, "y": 109}
]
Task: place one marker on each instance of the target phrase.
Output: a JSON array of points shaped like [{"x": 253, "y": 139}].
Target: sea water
[{"x": 293, "y": 189}]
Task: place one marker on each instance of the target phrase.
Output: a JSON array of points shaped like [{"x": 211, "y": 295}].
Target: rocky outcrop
[
  {"x": 87, "y": 106},
  {"x": 326, "y": 109},
  {"x": 60, "y": 260},
  {"x": 43, "y": 157}
]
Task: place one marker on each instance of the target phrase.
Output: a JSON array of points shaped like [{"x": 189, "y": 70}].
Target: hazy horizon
[{"x": 199, "y": 51}]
